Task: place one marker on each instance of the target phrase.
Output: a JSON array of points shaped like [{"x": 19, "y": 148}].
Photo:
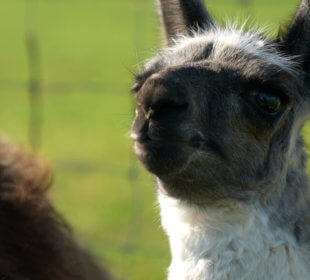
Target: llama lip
[
  {"x": 150, "y": 143},
  {"x": 148, "y": 140},
  {"x": 162, "y": 156},
  {"x": 153, "y": 142}
]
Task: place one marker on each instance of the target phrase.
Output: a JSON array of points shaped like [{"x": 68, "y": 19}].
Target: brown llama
[
  {"x": 218, "y": 121},
  {"x": 35, "y": 242}
]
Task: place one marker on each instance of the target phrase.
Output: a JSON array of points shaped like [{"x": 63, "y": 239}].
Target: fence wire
[
  {"x": 36, "y": 88},
  {"x": 35, "y": 84}
]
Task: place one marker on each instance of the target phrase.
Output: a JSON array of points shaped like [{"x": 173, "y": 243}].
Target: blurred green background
[{"x": 87, "y": 53}]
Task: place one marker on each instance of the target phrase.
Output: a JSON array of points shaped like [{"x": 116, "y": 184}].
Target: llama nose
[
  {"x": 162, "y": 97},
  {"x": 165, "y": 107}
]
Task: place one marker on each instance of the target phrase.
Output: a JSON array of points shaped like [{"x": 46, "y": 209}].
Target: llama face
[{"x": 217, "y": 111}]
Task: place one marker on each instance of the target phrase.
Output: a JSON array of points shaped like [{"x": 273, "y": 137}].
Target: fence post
[{"x": 34, "y": 76}]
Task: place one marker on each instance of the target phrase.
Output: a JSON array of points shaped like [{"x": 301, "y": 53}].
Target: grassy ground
[{"x": 89, "y": 49}]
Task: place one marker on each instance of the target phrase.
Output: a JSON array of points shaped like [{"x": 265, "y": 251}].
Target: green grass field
[{"x": 89, "y": 50}]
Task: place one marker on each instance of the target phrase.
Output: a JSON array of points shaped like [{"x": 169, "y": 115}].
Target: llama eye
[{"x": 269, "y": 102}]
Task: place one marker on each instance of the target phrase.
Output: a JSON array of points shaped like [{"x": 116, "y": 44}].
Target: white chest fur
[{"x": 231, "y": 243}]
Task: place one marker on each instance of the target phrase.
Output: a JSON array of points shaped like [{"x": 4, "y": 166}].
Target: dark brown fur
[{"x": 35, "y": 242}]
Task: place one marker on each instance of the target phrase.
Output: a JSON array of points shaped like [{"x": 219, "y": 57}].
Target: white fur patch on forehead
[{"x": 223, "y": 39}]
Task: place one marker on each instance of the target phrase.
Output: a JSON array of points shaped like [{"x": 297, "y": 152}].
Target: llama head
[{"x": 219, "y": 110}]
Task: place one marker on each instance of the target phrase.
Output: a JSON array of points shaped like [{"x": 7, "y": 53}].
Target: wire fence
[
  {"x": 34, "y": 56},
  {"x": 35, "y": 84},
  {"x": 35, "y": 95},
  {"x": 36, "y": 87}
]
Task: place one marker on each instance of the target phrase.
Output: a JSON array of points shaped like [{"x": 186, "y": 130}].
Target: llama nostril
[
  {"x": 171, "y": 103},
  {"x": 167, "y": 106}
]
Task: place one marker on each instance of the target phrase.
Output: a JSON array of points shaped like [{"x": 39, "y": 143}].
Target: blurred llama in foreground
[{"x": 35, "y": 242}]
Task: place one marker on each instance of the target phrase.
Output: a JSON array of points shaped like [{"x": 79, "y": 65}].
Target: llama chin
[{"x": 235, "y": 200}]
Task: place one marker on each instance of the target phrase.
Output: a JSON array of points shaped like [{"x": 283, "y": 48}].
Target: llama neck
[{"x": 230, "y": 242}]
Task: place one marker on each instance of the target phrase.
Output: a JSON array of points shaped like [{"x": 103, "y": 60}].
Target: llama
[
  {"x": 218, "y": 121},
  {"x": 35, "y": 242}
]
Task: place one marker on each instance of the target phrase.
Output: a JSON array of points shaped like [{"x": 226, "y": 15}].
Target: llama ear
[
  {"x": 181, "y": 17},
  {"x": 296, "y": 38}
]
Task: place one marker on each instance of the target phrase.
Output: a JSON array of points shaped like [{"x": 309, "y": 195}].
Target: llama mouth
[
  {"x": 164, "y": 155},
  {"x": 149, "y": 145},
  {"x": 147, "y": 140},
  {"x": 167, "y": 142}
]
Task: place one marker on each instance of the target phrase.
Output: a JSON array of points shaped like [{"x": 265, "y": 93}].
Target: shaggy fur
[
  {"x": 230, "y": 242},
  {"x": 218, "y": 121},
  {"x": 35, "y": 242}
]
